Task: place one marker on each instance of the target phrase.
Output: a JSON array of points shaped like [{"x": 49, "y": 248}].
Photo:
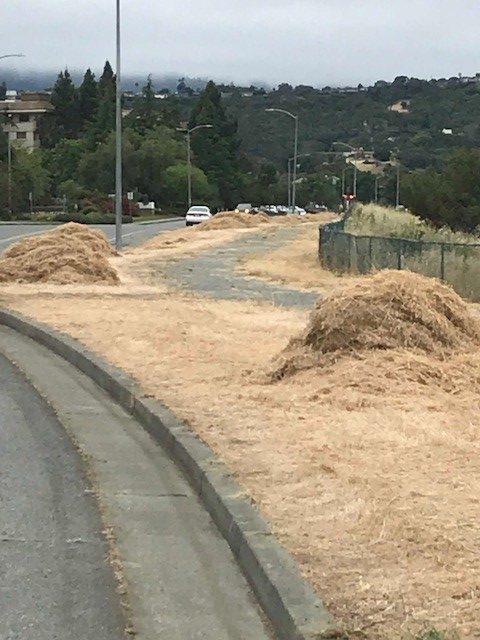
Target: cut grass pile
[
  {"x": 391, "y": 310},
  {"x": 70, "y": 254},
  {"x": 375, "y": 220}
]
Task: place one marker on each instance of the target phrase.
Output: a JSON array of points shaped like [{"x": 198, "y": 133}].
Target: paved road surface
[
  {"x": 55, "y": 583},
  {"x": 214, "y": 273},
  {"x": 133, "y": 233}
]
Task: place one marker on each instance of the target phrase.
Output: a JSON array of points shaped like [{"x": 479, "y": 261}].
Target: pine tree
[
  {"x": 216, "y": 150},
  {"x": 64, "y": 99},
  {"x": 88, "y": 98},
  {"x": 104, "y": 120},
  {"x": 3, "y": 91},
  {"x": 145, "y": 113}
]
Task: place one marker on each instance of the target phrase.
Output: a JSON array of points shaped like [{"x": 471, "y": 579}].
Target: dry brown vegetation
[
  {"x": 295, "y": 263},
  {"x": 366, "y": 461},
  {"x": 69, "y": 254}
]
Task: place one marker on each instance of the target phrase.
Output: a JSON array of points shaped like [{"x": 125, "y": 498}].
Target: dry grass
[
  {"x": 68, "y": 254},
  {"x": 294, "y": 264},
  {"x": 367, "y": 468},
  {"x": 375, "y": 220}
]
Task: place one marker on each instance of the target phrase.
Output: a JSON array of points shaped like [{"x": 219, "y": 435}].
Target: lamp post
[
  {"x": 302, "y": 155},
  {"x": 118, "y": 140},
  {"x": 295, "y": 153},
  {"x": 9, "y": 142},
  {"x": 188, "y": 133},
  {"x": 355, "y": 170}
]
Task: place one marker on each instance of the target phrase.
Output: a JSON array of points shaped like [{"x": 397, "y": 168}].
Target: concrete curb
[{"x": 288, "y": 601}]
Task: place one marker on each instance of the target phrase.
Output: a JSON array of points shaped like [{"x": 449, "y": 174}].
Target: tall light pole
[
  {"x": 9, "y": 142},
  {"x": 188, "y": 133},
  {"x": 295, "y": 153},
  {"x": 301, "y": 155},
  {"x": 376, "y": 188},
  {"x": 118, "y": 140},
  {"x": 12, "y": 55},
  {"x": 355, "y": 169}
]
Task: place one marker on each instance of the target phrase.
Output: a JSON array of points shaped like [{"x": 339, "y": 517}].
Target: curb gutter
[{"x": 290, "y": 604}]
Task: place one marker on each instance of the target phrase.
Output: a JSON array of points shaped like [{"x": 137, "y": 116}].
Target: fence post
[
  {"x": 400, "y": 253},
  {"x": 442, "y": 261}
]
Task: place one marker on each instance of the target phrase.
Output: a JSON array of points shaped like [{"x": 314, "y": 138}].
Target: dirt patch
[
  {"x": 69, "y": 254},
  {"x": 391, "y": 310},
  {"x": 368, "y": 468}
]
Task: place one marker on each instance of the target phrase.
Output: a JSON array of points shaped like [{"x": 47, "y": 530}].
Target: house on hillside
[{"x": 20, "y": 117}]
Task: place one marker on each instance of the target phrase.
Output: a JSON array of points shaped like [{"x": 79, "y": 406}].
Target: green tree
[
  {"x": 3, "y": 91},
  {"x": 104, "y": 120},
  {"x": 29, "y": 175},
  {"x": 88, "y": 98},
  {"x": 66, "y": 109},
  {"x": 216, "y": 150},
  {"x": 175, "y": 185},
  {"x": 62, "y": 162}
]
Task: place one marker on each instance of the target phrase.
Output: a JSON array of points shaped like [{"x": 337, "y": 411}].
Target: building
[{"x": 20, "y": 117}]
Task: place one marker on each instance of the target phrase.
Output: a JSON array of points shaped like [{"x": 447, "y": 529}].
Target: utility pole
[
  {"x": 376, "y": 189},
  {"x": 355, "y": 176},
  {"x": 295, "y": 153},
  {"x": 9, "y": 175},
  {"x": 343, "y": 181},
  {"x": 289, "y": 184},
  {"x": 188, "y": 133},
  {"x": 397, "y": 199},
  {"x": 118, "y": 146}
]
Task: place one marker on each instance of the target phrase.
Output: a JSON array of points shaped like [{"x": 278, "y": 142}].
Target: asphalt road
[
  {"x": 55, "y": 581},
  {"x": 133, "y": 233}
]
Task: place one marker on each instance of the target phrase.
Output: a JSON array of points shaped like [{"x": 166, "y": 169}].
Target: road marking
[{"x": 23, "y": 235}]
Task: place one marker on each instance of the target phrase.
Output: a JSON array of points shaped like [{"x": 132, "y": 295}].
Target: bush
[
  {"x": 95, "y": 217},
  {"x": 71, "y": 217},
  {"x": 43, "y": 216}
]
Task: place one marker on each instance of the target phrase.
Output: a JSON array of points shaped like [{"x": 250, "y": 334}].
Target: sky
[{"x": 314, "y": 42}]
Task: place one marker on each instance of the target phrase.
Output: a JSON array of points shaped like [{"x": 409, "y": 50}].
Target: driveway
[
  {"x": 133, "y": 233},
  {"x": 55, "y": 579}
]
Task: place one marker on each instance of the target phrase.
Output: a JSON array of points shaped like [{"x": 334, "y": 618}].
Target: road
[
  {"x": 55, "y": 580},
  {"x": 133, "y": 233}
]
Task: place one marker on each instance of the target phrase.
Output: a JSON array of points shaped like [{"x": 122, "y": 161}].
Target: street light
[
  {"x": 302, "y": 155},
  {"x": 118, "y": 142},
  {"x": 355, "y": 170},
  {"x": 9, "y": 142},
  {"x": 189, "y": 132},
  {"x": 295, "y": 154},
  {"x": 12, "y": 55}
]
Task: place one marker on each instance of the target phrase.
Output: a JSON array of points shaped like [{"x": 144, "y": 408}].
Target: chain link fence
[{"x": 456, "y": 264}]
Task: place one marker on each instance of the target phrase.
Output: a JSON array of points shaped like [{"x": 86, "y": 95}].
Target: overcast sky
[{"x": 316, "y": 42}]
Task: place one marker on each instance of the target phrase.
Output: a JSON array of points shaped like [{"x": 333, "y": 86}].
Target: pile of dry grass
[
  {"x": 70, "y": 254},
  {"x": 227, "y": 220},
  {"x": 388, "y": 311}
]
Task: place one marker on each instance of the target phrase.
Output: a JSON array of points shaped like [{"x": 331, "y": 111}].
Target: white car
[
  {"x": 243, "y": 207},
  {"x": 197, "y": 214},
  {"x": 297, "y": 211}
]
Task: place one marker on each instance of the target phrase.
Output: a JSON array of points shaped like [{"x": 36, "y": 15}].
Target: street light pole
[
  {"x": 295, "y": 154},
  {"x": 376, "y": 189},
  {"x": 189, "y": 132},
  {"x": 118, "y": 138},
  {"x": 9, "y": 175},
  {"x": 289, "y": 184},
  {"x": 398, "y": 186}
]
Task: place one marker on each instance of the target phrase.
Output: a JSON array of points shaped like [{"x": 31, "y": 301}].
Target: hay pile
[
  {"x": 228, "y": 220},
  {"x": 70, "y": 254},
  {"x": 391, "y": 311}
]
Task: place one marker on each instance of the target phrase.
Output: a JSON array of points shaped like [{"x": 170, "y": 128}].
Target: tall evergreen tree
[
  {"x": 64, "y": 99},
  {"x": 216, "y": 150},
  {"x": 88, "y": 98},
  {"x": 3, "y": 91},
  {"x": 104, "y": 120}
]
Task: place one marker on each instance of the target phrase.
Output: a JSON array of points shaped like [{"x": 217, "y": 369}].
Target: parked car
[
  {"x": 298, "y": 211},
  {"x": 244, "y": 207},
  {"x": 197, "y": 214},
  {"x": 313, "y": 207}
]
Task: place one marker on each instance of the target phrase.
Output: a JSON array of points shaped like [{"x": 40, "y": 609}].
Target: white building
[{"x": 20, "y": 118}]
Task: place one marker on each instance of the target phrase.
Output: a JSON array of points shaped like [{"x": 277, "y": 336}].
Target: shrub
[{"x": 71, "y": 217}]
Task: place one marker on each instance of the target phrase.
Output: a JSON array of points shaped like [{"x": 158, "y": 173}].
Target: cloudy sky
[{"x": 315, "y": 42}]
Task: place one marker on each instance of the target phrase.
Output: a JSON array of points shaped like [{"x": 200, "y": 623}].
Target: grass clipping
[
  {"x": 391, "y": 311},
  {"x": 70, "y": 254},
  {"x": 227, "y": 220}
]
